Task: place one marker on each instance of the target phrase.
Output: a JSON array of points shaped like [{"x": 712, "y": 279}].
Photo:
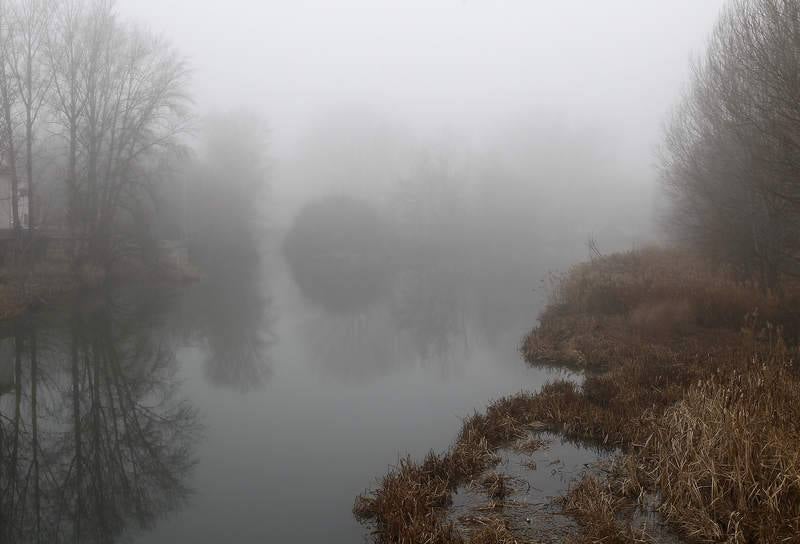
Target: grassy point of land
[{"x": 687, "y": 371}]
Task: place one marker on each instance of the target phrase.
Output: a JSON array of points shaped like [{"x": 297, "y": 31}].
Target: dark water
[{"x": 237, "y": 409}]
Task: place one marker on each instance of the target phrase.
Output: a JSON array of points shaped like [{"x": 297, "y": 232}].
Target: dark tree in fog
[
  {"x": 339, "y": 250},
  {"x": 216, "y": 204},
  {"x": 67, "y": 56},
  {"x": 24, "y": 86},
  {"x": 732, "y": 150},
  {"x": 28, "y": 27},
  {"x": 134, "y": 109},
  {"x": 114, "y": 97},
  {"x": 225, "y": 186},
  {"x": 8, "y": 98}
]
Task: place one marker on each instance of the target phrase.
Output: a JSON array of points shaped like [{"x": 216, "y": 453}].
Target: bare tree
[
  {"x": 116, "y": 97},
  {"x": 67, "y": 60},
  {"x": 8, "y": 97},
  {"x": 732, "y": 149},
  {"x": 31, "y": 76},
  {"x": 135, "y": 107}
]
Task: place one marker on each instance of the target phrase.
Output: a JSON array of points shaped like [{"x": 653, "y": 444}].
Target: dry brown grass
[
  {"x": 408, "y": 505},
  {"x": 530, "y": 445},
  {"x": 492, "y": 530},
  {"x": 497, "y": 486},
  {"x": 726, "y": 458},
  {"x": 601, "y": 310},
  {"x": 598, "y": 509},
  {"x": 697, "y": 382},
  {"x": 670, "y": 345},
  {"x": 618, "y": 283}
]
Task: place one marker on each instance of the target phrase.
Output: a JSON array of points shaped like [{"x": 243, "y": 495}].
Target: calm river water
[{"x": 237, "y": 410}]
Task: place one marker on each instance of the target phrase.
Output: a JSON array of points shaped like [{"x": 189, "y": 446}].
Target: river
[{"x": 236, "y": 409}]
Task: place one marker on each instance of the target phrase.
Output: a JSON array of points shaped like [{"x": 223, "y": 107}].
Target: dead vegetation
[
  {"x": 726, "y": 459},
  {"x": 594, "y": 504},
  {"x": 530, "y": 445},
  {"x": 687, "y": 371},
  {"x": 498, "y": 486},
  {"x": 491, "y": 530}
]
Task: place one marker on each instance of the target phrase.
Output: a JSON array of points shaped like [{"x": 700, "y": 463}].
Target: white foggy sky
[{"x": 438, "y": 64}]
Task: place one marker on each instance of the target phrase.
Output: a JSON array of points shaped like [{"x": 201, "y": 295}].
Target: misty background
[
  {"x": 542, "y": 112},
  {"x": 373, "y": 193}
]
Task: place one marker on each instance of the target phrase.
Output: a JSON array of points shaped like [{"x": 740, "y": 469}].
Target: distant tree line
[
  {"x": 731, "y": 157},
  {"x": 89, "y": 100},
  {"x": 223, "y": 191}
]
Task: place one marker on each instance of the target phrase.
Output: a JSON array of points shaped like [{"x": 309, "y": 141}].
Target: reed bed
[{"x": 726, "y": 458}]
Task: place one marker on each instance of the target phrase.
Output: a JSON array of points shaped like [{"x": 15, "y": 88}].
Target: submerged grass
[
  {"x": 598, "y": 508},
  {"x": 497, "y": 486},
  {"x": 688, "y": 372}
]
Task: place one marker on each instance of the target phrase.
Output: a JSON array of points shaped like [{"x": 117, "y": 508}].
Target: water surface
[{"x": 238, "y": 408}]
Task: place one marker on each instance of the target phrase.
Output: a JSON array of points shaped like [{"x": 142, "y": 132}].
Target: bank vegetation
[
  {"x": 702, "y": 404},
  {"x": 731, "y": 151},
  {"x": 106, "y": 174},
  {"x": 688, "y": 353}
]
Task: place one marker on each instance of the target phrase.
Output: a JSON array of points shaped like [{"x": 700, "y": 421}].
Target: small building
[{"x": 6, "y": 211}]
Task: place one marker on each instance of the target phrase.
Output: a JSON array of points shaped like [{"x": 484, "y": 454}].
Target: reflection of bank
[{"x": 6, "y": 365}]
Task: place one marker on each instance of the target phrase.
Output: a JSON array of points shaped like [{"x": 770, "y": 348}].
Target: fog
[
  {"x": 310, "y": 253},
  {"x": 566, "y": 98}
]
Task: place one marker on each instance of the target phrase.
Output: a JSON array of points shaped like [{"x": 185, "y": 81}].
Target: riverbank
[
  {"x": 687, "y": 373},
  {"x": 30, "y": 284}
]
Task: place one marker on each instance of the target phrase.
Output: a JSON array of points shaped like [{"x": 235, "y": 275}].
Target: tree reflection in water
[
  {"x": 229, "y": 312},
  {"x": 92, "y": 436},
  {"x": 338, "y": 251}
]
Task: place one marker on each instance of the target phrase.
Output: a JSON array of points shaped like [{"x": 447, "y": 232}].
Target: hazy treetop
[{"x": 441, "y": 65}]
